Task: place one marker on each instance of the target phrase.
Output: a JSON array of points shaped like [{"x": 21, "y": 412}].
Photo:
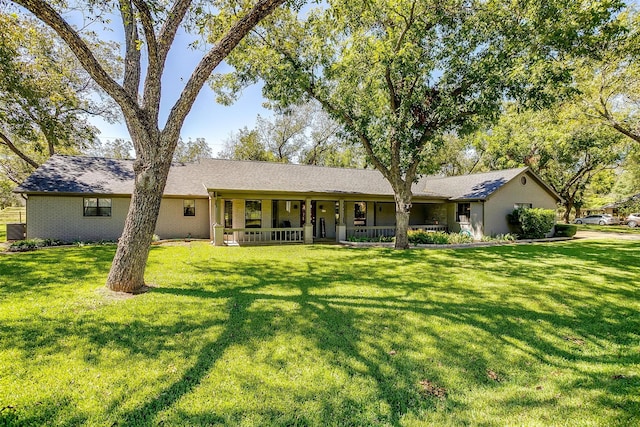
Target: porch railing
[
  {"x": 263, "y": 235},
  {"x": 430, "y": 227},
  {"x": 372, "y": 232},
  {"x": 377, "y": 231}
]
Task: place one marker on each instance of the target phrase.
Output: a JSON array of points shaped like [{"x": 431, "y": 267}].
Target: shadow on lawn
[
  {"x": 341, "y": 324},
  {"x": 369, "y": 335}
]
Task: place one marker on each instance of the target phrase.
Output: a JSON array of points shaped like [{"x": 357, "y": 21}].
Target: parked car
[
  {"x": 633, "y": 220},
  {"x": 602, "y": 219}
]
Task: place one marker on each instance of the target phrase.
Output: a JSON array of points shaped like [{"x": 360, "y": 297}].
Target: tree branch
[
  {"x": 212, "y": 59},
  {"x": 6, "y": 141},
  {"x": 52, "y": 18},
  {"x": 131, "y": 81}
]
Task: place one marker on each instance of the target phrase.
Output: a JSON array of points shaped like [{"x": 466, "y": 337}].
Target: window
[
  {"x": 189, "y": 207},
  {"x": 464, "y": 212},
  {"x": 228, "y": 214},
  {"x": 253, "y": 214},
  {"x": 94, "y": 206},
  {"x": 360, "y": 213}
]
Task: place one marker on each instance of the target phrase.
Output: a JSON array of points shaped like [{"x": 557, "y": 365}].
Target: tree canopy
[{"x": 45, "y": 96}]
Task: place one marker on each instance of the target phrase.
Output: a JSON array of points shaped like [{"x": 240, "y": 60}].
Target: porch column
[
  {"x": 217, "y": 229},
  {"x": 308, "y": 226},
  {"x": 341, "y": 228}
]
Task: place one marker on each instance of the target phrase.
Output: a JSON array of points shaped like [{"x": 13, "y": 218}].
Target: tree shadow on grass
[
  {"x": 361, "y": 314},
  {"x": 338, "y": 321}
]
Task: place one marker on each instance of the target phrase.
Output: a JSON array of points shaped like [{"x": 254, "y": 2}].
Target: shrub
[
  {"x": 566, "y": 230},
  {"x": 500, "y": 238},
  {"x": 421, "y": 237},
  {"x": 532, "y": 223},
  {"x": 32, "y": 244}
]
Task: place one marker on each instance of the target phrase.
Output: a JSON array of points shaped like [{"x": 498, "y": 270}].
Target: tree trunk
[
  {"x": 567, "y": 212},
  {"x": 127, "y": 270},
  {"x": 403, "y": 209}
]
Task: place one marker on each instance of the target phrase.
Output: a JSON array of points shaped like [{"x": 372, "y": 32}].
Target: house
[
  {"x": 613, "y": 209},
  {"x": 234, "y": 202}
]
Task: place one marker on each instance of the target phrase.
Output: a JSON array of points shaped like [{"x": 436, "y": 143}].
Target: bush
[
  {"x": 421, "y": 237},
  {"x": 566, "y": 230},
  {"x": 500, "y": 238},
  {"x": 32, "y": 244},
  {"x": 532, "y": 223}
]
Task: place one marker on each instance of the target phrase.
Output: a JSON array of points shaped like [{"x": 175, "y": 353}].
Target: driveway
[{"x": 582, "y": 234}]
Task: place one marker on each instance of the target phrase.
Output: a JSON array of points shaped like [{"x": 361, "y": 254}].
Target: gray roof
[{"x": 95, "y": 175}]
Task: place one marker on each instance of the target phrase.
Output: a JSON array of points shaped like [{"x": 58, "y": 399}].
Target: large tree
[
  {"x": 560, "y": 144},
  {"x": 150, "y": 29},
  {"x": 399, "y": 74},
  {"x": 45, "y": 96},
  {"x": 609, "y": 80}
]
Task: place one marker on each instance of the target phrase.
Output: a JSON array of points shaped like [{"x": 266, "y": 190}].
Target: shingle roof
[
  {"x": 95, "y": 175},
  {"x": 477, "y": 186}
]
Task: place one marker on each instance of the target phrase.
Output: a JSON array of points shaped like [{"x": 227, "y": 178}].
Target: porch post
[
  {"x": 341, "y": 229},
  {"x": 308, "y": 226},
  {"x": 217, "y": 229}
]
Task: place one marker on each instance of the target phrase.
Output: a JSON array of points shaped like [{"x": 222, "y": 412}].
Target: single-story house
[
  {"x": 613, "y": 209},
  {"x": 75, "y": 198}
]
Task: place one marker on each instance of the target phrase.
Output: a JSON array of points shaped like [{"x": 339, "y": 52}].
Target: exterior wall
[
  {"x": 172, "y": 224},
  {"x": 326, "y": 210},
  {"x": 477, "y": 220},
  {"x": 61, "y": 217},
  {"x": 385, "y": 214},
  {"x": 502, "y": 203}
]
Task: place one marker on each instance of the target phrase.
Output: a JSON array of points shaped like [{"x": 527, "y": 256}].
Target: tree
[
  {"x": 302, "y": 134},
  {"x": 399, "y": 74},
  {"x": 609, "y": 83},
  {"x": 191, "y": 151},
  {"x": 560, "y": 144},
  {"x": 246, "y": 145},
  {"x": 116, "y": 149},
  {"x": 45, "y": 97},
  {"x": 150, "y": 29}
]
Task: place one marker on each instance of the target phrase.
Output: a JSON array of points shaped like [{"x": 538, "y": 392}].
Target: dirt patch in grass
[{"x": 431, "y": 389}]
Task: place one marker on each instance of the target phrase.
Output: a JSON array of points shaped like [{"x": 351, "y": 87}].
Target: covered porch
[{"x": 254, "y": 219}]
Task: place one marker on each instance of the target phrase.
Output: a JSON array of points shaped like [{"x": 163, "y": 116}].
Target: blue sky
[{"x": 207, "y": 119}]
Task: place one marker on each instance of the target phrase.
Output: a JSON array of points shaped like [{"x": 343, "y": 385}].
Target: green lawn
[
  {"x": 609, "y": 228},
  {"x": 10, "y": 215},
  {"x": 529, "y": 335}
]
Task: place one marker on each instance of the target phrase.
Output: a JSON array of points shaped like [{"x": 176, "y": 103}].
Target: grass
[
  {"x": 10, "y": 215},
  {"x": 530, "y": 335},
  {"x": 622, "y": 229}
]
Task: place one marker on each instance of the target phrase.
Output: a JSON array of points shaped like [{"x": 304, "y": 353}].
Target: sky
[{"x": 207, "y": 119}]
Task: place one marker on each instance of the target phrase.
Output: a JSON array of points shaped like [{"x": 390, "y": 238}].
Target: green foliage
[
  {"x": 372, "y": 337},
  {"x": 398, "y": 75},
  {"x": 533, "y": 223},
  {"x": 422, "y": 237},
  {"x": 567, "y": 149},
  {"x": 45, "y": 96},
  {"x": 566, "y": 230},
  {"x": 32, "y": 244},
  {"x": 508, "y": 237}
]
